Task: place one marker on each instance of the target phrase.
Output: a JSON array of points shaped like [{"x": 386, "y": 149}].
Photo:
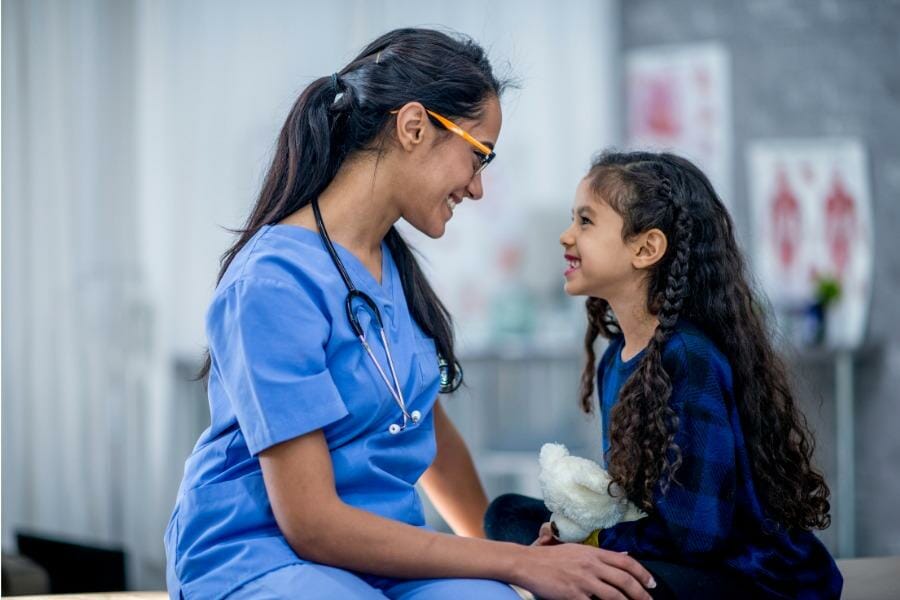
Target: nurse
[{"x": 304, "y": 484}]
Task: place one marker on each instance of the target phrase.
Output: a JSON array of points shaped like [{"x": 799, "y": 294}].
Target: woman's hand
[{"x": 560, "y": 570}]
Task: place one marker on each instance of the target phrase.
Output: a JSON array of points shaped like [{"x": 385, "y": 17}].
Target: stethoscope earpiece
[{"x": 395, "y": 428}]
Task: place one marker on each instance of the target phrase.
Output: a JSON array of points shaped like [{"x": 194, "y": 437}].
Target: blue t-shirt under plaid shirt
[{"x": 711, "y": 514}]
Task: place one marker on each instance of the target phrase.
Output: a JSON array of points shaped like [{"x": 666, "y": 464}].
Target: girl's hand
[
  {"x": 547, "y": 536},
  {"x": 582, "y": 572}
]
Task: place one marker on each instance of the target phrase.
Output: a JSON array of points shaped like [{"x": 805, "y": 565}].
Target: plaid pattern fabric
[{"x": 711, "y": 514}]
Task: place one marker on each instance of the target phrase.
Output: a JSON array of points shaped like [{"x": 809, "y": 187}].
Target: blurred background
[{"x": 136, "y": 132}]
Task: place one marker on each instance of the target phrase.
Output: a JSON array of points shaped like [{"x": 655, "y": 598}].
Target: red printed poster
[
  {"x": 678, "y": 100},
  {"x": 812, "y": 222}
]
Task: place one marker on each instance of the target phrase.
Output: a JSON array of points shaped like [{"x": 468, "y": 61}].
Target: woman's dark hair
[
  {"x": 703, "y": 278},
  {"x": 347, "y": 114}
]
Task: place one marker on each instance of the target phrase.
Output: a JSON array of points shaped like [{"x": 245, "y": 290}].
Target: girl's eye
[{"x": 584, "y": 220}]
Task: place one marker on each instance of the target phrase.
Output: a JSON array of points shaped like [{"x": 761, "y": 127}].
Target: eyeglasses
[{"x": 485, "y": 154}]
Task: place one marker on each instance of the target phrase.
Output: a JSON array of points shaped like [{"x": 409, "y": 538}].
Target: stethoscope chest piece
[{"x": 447, "y": 384}]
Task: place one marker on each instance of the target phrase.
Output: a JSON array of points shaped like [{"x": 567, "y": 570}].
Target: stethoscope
[{"x": 353, "y": 293}]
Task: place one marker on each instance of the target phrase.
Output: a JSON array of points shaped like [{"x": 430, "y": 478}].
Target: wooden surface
[{"x": 102, "y": 596}]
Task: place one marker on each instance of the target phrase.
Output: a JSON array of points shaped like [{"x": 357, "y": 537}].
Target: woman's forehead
[{"x": 486, "y": 128}]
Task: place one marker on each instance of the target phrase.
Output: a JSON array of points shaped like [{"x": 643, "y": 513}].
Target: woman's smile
[{"x": 452, "y": 202}]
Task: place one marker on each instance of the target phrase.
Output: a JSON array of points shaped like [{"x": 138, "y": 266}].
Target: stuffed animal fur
[{"x": 576, "y": 492}]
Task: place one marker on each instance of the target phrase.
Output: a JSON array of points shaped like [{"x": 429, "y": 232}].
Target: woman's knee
[{"x": 311, "y": 579}]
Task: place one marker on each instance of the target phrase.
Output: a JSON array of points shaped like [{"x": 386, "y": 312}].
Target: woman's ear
[
  {"x": 411, "y": 124},
  {"x": 648, "y": 248}
]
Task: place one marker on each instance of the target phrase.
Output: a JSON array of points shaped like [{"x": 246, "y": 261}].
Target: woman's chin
[
  {"x": 438, "y": 226},
  {"x": 433, "y": 228},
  {"x": 436, "y": 230}
]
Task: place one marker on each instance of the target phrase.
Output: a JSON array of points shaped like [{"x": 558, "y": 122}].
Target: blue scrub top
[{"x": 285, "y": 362}]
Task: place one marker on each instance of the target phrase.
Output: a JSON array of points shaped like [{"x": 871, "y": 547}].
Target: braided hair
[{"x": 701, "y": 277}]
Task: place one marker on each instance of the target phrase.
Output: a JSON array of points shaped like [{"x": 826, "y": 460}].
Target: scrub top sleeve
[{"x": 267, "y": 341}]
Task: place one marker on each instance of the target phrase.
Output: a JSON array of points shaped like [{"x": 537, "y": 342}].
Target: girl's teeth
[{"x": 451, "y": 204}]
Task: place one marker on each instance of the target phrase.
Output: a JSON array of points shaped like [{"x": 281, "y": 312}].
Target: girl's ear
[
  {"x": 648, "y": 248},
  {"x": 411, "y": 122}
]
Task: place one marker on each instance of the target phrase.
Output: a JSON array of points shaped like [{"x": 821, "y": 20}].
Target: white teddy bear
[{"x": 576, "y": 492}]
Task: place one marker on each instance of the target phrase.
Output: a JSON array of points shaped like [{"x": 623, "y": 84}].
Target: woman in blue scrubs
[{"x": 304, "y": 484}]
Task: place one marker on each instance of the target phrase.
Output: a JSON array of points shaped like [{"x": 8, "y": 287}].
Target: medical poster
[
  {"x": 678, "y": 99},
  {"x": 812, "y": 228}
]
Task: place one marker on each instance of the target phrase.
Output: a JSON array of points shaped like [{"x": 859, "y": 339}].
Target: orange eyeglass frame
[{"x": 487, "y": 155}]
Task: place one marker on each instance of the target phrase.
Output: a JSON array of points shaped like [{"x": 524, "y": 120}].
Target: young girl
[{"x": 700, "y": 428}]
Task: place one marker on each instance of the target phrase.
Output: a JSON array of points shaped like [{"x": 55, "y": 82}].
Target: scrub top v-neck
[{"x": 286, "y": 362}]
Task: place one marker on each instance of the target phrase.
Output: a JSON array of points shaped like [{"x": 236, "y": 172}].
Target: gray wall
[{"x": 815, "y": 68}]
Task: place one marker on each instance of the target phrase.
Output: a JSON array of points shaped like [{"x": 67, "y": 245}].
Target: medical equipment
[{"x": 353, "y": 294}]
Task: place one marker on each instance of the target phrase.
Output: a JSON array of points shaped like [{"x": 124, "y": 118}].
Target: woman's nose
[{"x": 475, "y": 190}]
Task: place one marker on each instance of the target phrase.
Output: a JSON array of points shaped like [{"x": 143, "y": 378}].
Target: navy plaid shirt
[{"x": 711, "y": 513}]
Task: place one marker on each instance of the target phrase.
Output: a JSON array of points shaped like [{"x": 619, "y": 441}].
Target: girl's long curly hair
[{"x": 702, "y": 277}]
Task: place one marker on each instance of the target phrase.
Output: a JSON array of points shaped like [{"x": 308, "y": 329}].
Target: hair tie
[{"x": 336, "y": 88}]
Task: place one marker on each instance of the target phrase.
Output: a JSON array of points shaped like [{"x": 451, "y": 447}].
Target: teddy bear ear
[{"x": 552, "y": 452}]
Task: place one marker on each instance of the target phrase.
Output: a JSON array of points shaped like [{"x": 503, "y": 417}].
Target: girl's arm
[
  {"x": 319, "y": 526},
  {"x": 695, "y": 516},
  {"x": 452, "y": 483}
]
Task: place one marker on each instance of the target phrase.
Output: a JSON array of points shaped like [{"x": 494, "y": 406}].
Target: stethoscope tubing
[{"x": 353, "y": 293}]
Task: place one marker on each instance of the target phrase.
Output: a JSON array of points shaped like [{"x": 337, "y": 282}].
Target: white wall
[
  {"x": 217, "y": 80},
  {"x": 133, "y": 132}
]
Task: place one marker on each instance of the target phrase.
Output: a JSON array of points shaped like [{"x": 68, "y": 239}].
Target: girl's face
[
  {"x": 440, "y": 174},
  {"x": 599, "y": 261}
]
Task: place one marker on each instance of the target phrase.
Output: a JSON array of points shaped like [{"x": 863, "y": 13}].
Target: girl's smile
[{"x": 574, "y": 264}]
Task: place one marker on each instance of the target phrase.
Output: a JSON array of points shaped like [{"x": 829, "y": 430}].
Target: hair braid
[
  {"x": 600, "y": 320},
  {"x": 643, "y": 451}
]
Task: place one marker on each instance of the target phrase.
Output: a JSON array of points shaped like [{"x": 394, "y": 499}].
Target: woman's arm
[
  {"x": 452, "y": 483},
  {"x": 319, "y": 526}
]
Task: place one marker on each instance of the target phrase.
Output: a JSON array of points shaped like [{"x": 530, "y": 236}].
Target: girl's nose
[{"x": 565, "y": 238}]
